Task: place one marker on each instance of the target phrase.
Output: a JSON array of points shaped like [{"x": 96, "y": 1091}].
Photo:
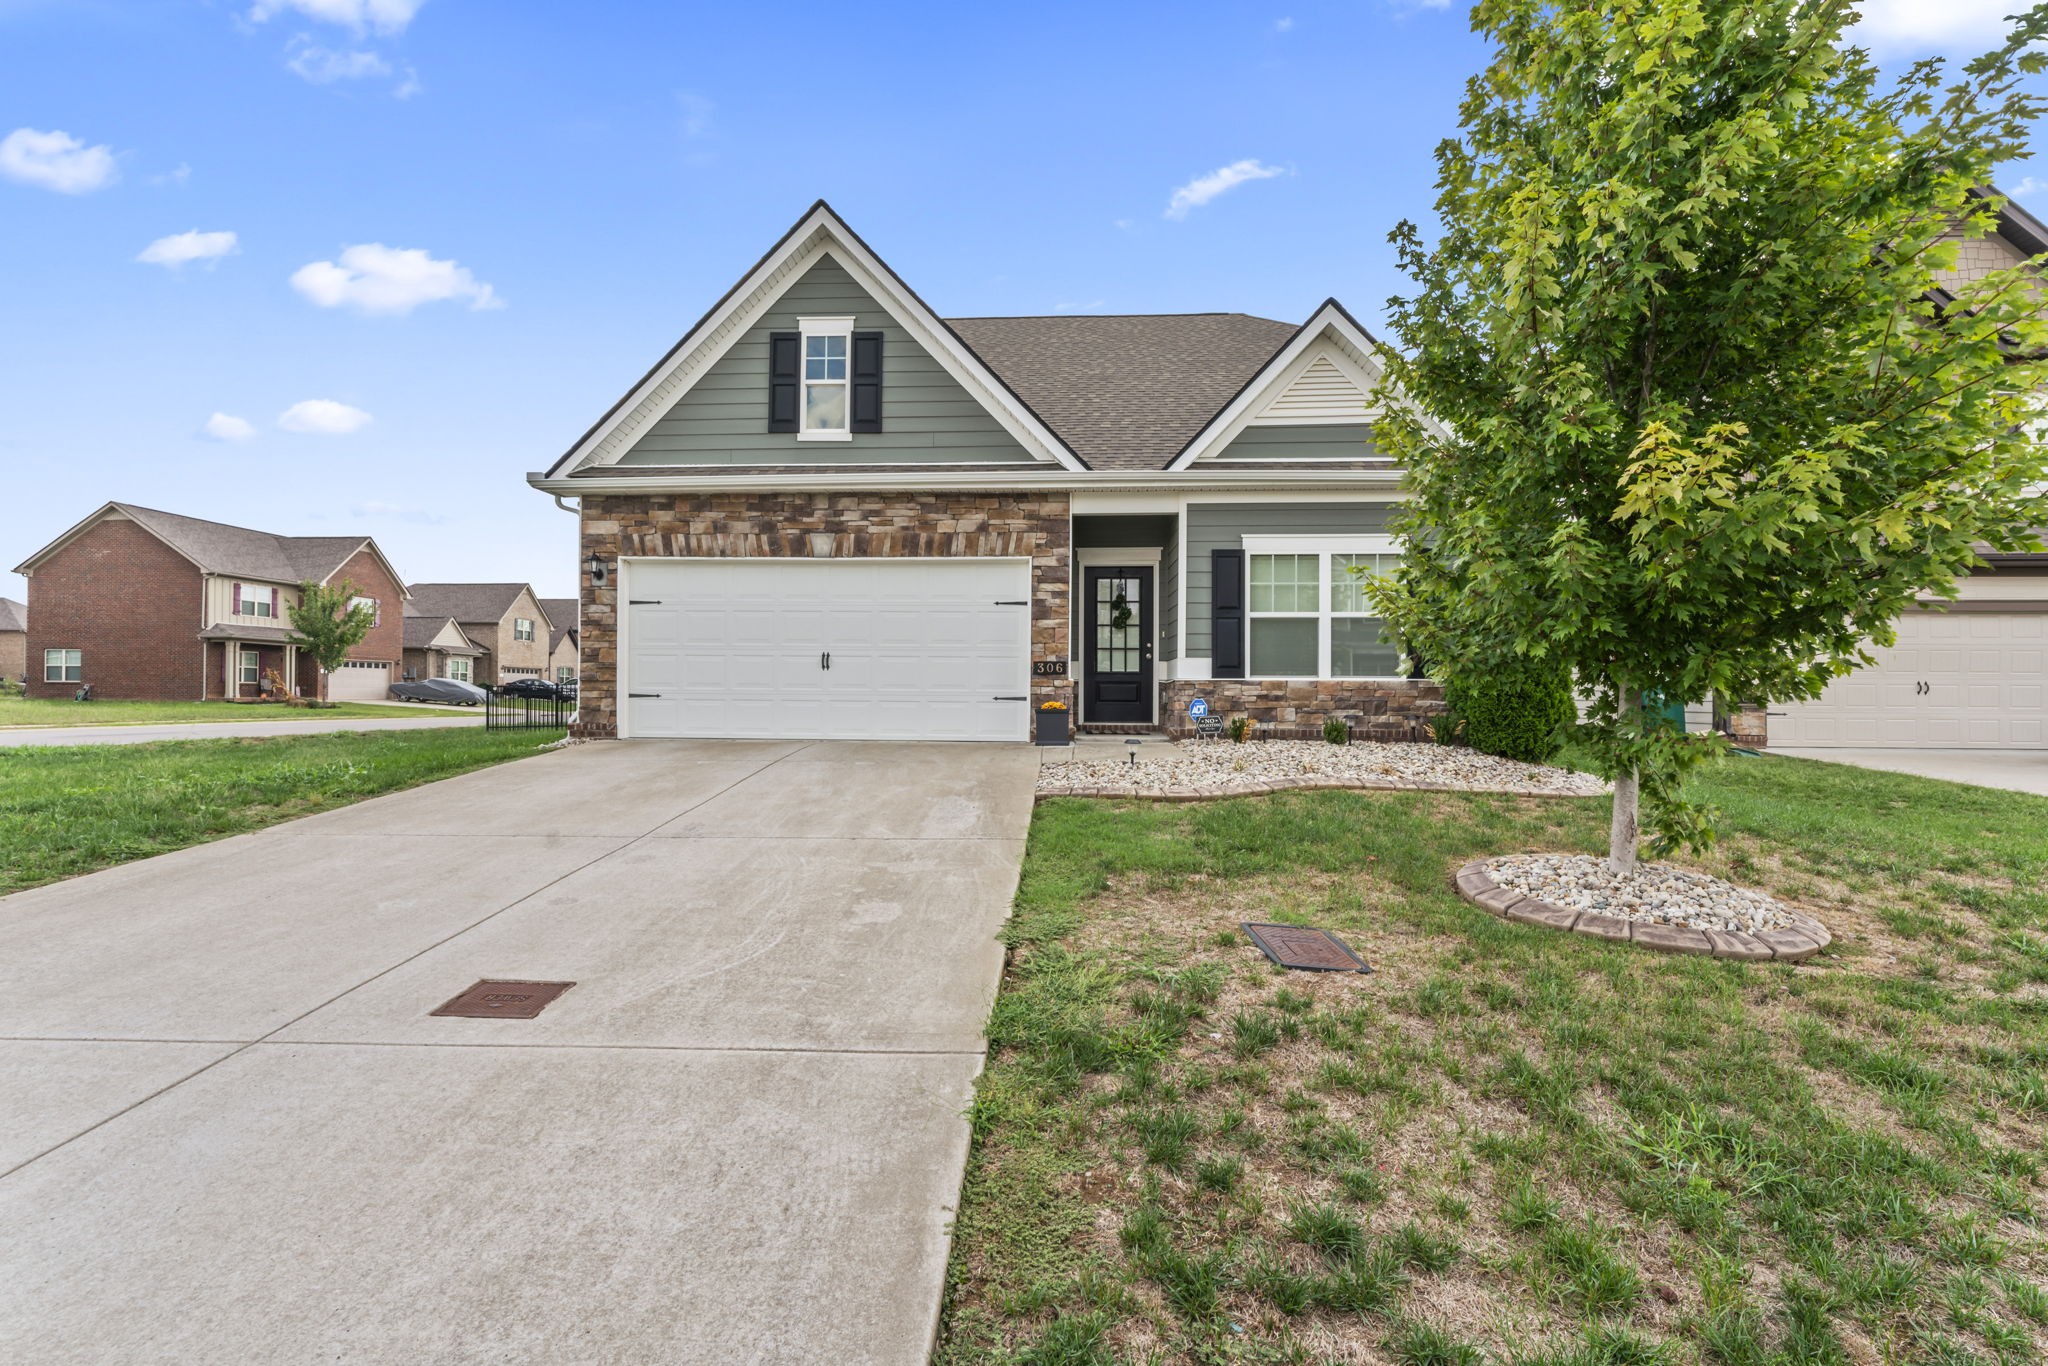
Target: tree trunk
[{"x": 1621, "y": 834}]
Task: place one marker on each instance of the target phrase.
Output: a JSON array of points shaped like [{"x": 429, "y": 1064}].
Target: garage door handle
[
  {"x": 1013, "y": 602},
  {"x": 643, "y": 602},
  {"x": 643, "y": 694},
  {"x": 1009, "y": 699}
]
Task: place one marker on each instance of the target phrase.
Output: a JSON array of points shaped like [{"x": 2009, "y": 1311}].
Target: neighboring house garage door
[
  {"x": 357, "y": 681},
  {"x": 881, "y": 649},
  {"x": 1955, "y": 680}
]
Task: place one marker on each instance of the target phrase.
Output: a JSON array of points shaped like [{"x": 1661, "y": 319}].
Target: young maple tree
[
  {"x": 1706, "y": 416},
  {"x": 329, "y": 622}
]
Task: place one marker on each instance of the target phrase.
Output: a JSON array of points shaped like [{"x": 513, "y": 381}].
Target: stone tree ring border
[{"x": 1805, "y": 937}]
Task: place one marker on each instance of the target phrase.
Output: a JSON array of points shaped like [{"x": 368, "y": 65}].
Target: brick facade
[
  {"x": 130, "y": 603},
  {"x": 13, "y": 654},
  {"x": 1378, "y": 709},
  {"x": 821, "y": 526}
]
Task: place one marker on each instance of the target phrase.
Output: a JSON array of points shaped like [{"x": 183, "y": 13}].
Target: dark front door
[{"x": 1117, "y": 623}]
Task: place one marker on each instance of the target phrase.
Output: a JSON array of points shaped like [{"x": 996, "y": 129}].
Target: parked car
[
  {"x": 448, "y": 691},
  {"x": 531, "y": 687}
]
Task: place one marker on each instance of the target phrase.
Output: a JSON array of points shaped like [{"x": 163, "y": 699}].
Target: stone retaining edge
[
  {"x": 1205, "y": 794},
  {"x": 1806, "y": 938}
]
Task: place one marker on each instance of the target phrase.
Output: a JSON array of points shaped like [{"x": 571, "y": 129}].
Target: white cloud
[
  {"x": 177, "y": 175},
  {"x": 373, "y": 278},
  {"x": 1931, "y": 26},
  {"x": 1283, "y": 25},
  {"x": 227, "y": 427},
  {"x": 324, "y": 66},
  {"x": 1204, "y": 188},
  {"x": 56, "y": 161},
  {"x": 181, "y": 247},
  {"x": 2029, "y": 188},
  {"x": 408, "y": 87},
  {"x": 385, "y": 16},
  {"x": 323, "y": 417}
]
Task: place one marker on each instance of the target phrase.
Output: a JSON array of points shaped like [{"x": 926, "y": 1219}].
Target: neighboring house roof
[
  {"x": 424, "y": 629},
  {"x": 220, "y": 548},
  {"x": 13, "y": 615},
  {"x": 1126, "y": 391},
  {"x": 563, "y": 612},
  {"x": 472, "y": 602}
]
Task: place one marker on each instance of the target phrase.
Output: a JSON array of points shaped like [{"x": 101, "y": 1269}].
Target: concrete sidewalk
[
  {"x": 22, "y": 736},
  {"x": 237, "y": 1134}
]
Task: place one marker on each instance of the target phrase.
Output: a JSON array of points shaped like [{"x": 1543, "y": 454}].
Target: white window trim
[
  {"x": 531, "y": 627},
  {"x": 250, "y": 593},
  {"x": 63, "y": 663},
  {"x": 1322, "y": 547},
  {"x": 376, "y": 609},
  {"x": 245, "y": 662},
  {"x": 822, "y": 327}
]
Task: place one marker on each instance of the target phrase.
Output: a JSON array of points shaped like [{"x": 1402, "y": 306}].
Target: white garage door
[
  {"x": 1955, "y": 680},
  {"x": 356, "y": 681},
  {"x": 884, "y": 649}
]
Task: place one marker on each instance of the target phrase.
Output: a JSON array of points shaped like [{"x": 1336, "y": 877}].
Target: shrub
[
  {"x": 1516, "y": 711},
  {"x": 1239, "y": 730},
  {"x": 1337, "y": 731}
]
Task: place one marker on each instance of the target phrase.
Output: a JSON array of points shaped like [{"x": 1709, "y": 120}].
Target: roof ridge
[
  {"x": 1042, "y": 317},
  {"x": 188, "y": 517}
]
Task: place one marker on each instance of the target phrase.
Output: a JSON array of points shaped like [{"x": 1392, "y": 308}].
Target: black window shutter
[
  {"x": 1226, "y": 613},
  {"x": 785, "y": 363},
  {"x": 867, "y": 382}
]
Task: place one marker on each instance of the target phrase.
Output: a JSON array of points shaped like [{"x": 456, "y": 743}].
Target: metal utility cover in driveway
[
  {"x": 1291, "y": 946},
  {"x": 494, "y": 1000}
]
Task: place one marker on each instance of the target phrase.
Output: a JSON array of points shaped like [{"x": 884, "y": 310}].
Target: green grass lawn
[
  {"x": 52, "y": 711},
  {"x": 1507, "y": 1144},
  {"x": 67, "y": 810}
]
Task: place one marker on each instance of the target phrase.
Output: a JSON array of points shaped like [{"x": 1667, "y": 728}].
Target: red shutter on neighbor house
[
  {"x": 273, "y": 603},
  {"x": 238, "y": 599}
]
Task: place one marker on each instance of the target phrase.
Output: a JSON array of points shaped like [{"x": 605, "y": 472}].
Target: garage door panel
[
  {"x": 918, "y": 648},
  {"x": 1955, "y": 680}
]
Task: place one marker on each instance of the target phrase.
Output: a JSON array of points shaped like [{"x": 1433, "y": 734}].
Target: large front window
[
  {"x": 458, "y": 669},
  {"x": 1310, "y": 616},
  {"x": 251, "y": 667},
  {"x": 827, "y": 345}
]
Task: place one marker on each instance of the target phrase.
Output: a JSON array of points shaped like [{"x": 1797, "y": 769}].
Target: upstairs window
[
  {"x": 255, "y": 600},
  {"x": 522, "y": 628},
  {"x": 376, "y": 613},
  {"x": 825, "y": 380},
  {"x": 828, "y": 343}
]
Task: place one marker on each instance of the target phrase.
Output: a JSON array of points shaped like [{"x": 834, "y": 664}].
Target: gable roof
[
  {"x": 472, "y": 602},
  {"x": 1126, "y": 391},
  {"x": 819, "y": 233},
  {"x": 563, "y": 612},
  {"x": 423, "y": 631},
  {"x": 222, "y": 548},
  {"x": 13, "y": 615}
]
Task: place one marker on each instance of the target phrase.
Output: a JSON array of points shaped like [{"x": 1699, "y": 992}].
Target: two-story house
[
  {"x": 566, "y": 641},
  {"x": 140, "y": 603},
  {"x": 436, "y": 646},
  {"x": 505, "y": 620},
  {"x": 13, "y": 639}
]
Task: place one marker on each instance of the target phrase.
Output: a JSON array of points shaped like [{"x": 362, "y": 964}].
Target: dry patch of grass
[{"x": 1503, "y": 1145}]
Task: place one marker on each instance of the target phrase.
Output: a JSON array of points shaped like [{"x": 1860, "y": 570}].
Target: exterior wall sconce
[{"x": 598, "y": 573}]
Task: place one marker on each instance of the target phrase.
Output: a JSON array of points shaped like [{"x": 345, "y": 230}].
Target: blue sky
[{"x": 460, "y": 229}]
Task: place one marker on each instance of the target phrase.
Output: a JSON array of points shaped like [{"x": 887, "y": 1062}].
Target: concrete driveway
[
  {"x": 2018, "y": 770},
  {"x": 235, "y": 1133}
]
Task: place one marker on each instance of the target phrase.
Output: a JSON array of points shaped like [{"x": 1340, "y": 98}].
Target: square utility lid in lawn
[
  {"x": 1305, "y": 950},
  {"x": 500, "y": 1000}
]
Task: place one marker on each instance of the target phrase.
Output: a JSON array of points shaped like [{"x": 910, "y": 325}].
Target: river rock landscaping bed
[
  {"x": 1194, "y": 770},
  {"x": 1658, "y": 906}
]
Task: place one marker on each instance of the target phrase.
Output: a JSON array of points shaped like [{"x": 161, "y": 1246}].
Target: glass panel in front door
[{"x": 1119, "y": 630}]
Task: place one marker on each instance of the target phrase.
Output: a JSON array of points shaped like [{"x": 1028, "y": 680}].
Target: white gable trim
[
  {"x": 1330, "y": 331},
  {"x": 1287, "y": 408},
  {"x": 820, "y": 234}
]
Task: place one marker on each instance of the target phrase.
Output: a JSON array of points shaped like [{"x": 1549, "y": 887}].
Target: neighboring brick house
[
  {"x": 504, "y": 620},
  {"x": 13, "y": 639},
  {"x": 565, "y": 642},
  {"x": 437, "y": 647},
  {"x": 829, "y": 512},
  {"x": 140, "y": 603}
]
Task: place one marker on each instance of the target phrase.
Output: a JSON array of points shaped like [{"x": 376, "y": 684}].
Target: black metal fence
[{"x": 527, "y": 713}]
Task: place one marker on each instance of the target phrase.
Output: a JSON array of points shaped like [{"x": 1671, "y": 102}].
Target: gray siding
[
  {"x": 1338, "y": 441},
  {"x": 1169, "y": 599},
  {"x": 926, "y": 416},
  {"x": 1128, "y": 532},
  {"x": 1213, "y": 526}
]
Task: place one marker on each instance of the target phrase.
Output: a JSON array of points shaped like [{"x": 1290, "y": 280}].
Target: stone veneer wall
[
  {"x": 1386, "y": 709},
  {"x": 820, "y": 526}
]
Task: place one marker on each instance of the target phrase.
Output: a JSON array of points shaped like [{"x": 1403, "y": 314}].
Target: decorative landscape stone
[
  {"x": 1673, "y": 912},
  {"x": 1201, "y": 770}
]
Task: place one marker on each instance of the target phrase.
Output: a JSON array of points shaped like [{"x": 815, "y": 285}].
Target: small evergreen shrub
[
  {"x": 1239, "y": 729},
  {"x": 1516, "y": 711},
  {"x": 1337, "y": 731}
]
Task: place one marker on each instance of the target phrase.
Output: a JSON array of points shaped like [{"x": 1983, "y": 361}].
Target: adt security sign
[{"x": 1198, "y": 708}]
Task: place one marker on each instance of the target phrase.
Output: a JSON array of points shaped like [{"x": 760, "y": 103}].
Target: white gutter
[{"x": 1032, "y": 480}]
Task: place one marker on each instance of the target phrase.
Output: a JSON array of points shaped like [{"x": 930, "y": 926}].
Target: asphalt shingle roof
[
  {"x": 219, "y": 548},
  {"x": 13, "y": 615},
  {"x": 466, "y": 602},
  {"x": 1126, "y": 391}
]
